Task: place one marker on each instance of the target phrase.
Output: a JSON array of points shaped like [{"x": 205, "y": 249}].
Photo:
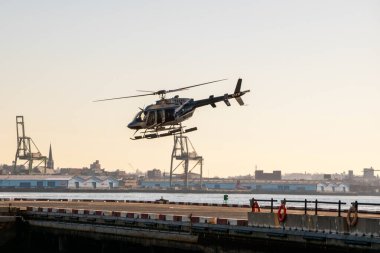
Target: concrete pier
[
  {"x": 8, "y": 229},
  {"x": 58, "y": 227}
]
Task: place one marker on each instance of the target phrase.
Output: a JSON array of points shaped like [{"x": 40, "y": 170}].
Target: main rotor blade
[
  {"x": 191, "y": 86},
  {"x": 160, "y": 92},
  {"x": 146, "y": 91},
  {"x": 99, "y": 100}
]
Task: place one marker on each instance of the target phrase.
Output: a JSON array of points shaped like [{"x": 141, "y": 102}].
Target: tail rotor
[{"x": 238, "y": 93}]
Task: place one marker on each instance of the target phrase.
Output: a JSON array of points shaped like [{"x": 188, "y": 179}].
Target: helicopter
[{"x": 165, "y": 117}]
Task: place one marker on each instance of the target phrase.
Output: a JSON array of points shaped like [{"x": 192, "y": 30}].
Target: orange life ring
[
  {"x": 352, "y": 216},
  {"x": 281, "y": 215},
  {"x": 255, "y": 207}
]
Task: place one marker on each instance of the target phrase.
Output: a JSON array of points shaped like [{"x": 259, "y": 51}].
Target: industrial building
[
  {"x": 93, "y": 182},
  {"x": 155, "y": 173},
  {"x": 261, "y": 175},
  {"x": 58, "y": 182},
  {"x": 229, "y": 184},
  {"x": 332, "y": 187}
]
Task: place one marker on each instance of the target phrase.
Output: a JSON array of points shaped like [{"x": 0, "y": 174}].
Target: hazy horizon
[{"x": 313, "y": 69}]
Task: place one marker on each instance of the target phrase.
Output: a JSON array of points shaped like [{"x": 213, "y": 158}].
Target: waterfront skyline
[{"x": 312, "y": 68}]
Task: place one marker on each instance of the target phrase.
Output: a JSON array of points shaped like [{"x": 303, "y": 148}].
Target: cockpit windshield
[{"x": 140, "y": 116}]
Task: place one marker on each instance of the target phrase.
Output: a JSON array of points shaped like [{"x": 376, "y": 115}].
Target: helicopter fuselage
[{"x": 165, "y": 112}]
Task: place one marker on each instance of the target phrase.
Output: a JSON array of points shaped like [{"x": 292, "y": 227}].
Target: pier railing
[{"x": 315, "y": 205}]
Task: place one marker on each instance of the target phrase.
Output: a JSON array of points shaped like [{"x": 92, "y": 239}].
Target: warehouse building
[{"x": 58, "y": 182}]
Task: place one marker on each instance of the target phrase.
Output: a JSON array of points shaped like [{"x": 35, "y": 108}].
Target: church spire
[{"x": 50, "y": 161}]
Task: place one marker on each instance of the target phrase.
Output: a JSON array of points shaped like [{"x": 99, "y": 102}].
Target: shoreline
[{"x": 250, "y": 192}]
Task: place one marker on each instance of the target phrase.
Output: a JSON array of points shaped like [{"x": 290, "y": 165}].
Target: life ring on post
[
  {"x": 352, "y": 216},
  {"x": 281, "y": 213},
  {"x": 255, "y": 206}
]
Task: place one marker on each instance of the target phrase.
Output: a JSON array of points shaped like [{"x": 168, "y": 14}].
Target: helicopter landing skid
[{"x": 170, "y": 132}]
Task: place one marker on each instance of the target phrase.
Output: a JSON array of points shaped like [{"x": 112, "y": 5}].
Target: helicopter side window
[
  {"x": 151, "y": 118},
  {"x": 169, "y": 115},
  {"x": 160, "y": 116}
]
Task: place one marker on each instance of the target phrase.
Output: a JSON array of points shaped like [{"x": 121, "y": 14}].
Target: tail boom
[{"x": 213, "y": 100}]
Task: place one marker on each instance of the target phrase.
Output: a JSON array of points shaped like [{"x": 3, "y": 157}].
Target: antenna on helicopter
[{"x": 160, "y": 93}]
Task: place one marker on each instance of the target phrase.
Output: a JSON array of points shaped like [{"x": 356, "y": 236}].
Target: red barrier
[
  {"x": 194, "y": 219},
  {"x": 221, "y": 221},
  {"x": 144, "y": 216},
  {"x": 242, "y": 222},
  {"x": 177, "y": 218}
]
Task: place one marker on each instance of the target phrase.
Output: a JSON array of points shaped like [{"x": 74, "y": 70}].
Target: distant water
[{"x": 217, "y": 198}]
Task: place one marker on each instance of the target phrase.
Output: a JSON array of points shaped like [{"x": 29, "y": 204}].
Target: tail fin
[
  {"x": 237, "y": 92},
  {"x": 238, "y": 86},
  {"x": 239, "y": 100}
]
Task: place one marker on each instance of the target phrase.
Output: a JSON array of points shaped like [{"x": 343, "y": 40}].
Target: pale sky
[{"x": 313, "y": 68}]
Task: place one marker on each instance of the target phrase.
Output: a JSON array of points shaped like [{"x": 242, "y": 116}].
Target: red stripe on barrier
[
  {"x": 242, "y": 222},
  {"x": 162, "y": 217},
  {"x": 177, "y": 218},
  {"x": 194, "y": 219},
  {"x": 222, "y": 221}
]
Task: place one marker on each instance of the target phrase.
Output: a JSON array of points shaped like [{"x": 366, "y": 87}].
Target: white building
[
  {"x": 332, "y": 187},
  {"x": 58, "y": 181},
  {"x": 93, "y": 182}
]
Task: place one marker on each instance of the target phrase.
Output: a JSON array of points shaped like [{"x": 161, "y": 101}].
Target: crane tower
[
  {"x": 184, "y": 153},
  {"x": 26, "y": 148}
]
